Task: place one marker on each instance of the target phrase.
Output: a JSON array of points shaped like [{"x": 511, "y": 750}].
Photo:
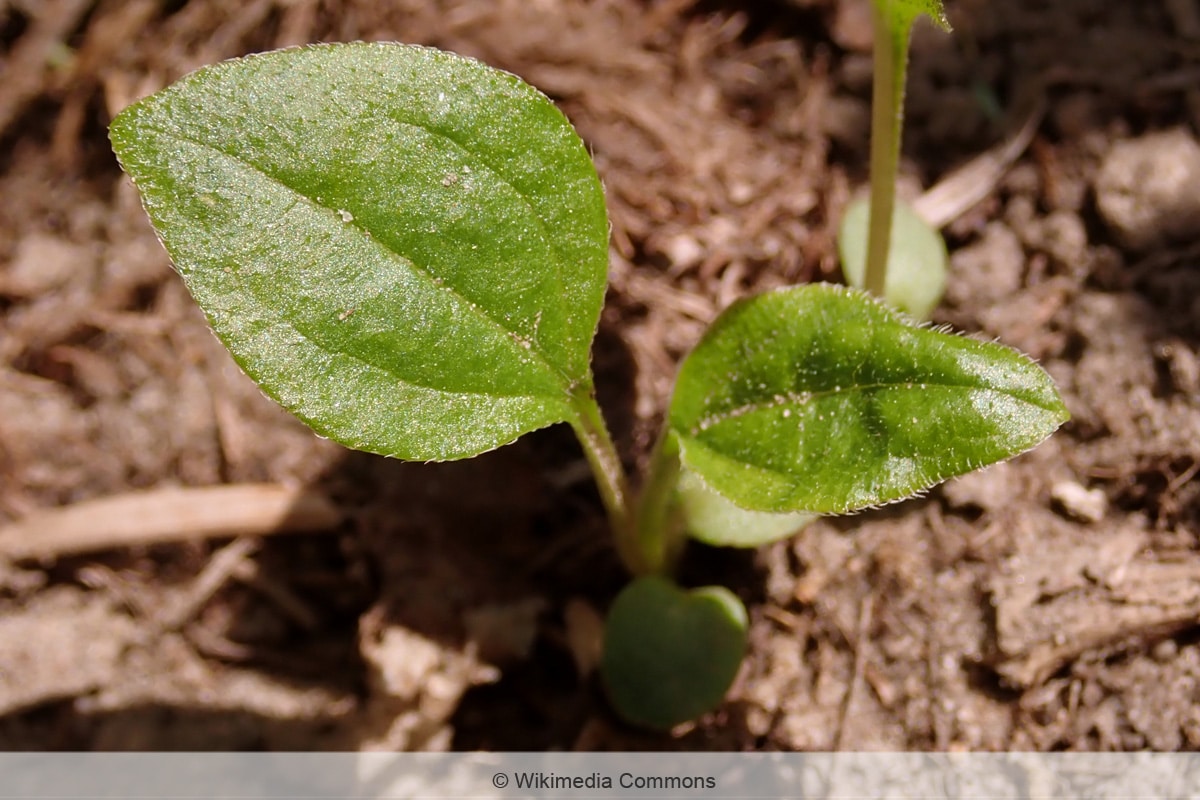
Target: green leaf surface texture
[
  {"x": 404, "y": 247},
  {"x": 818, "y": 398}
]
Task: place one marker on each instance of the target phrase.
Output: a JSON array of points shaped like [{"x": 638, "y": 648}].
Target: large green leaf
[
  {"x": 404, "y": 247},
  {"x": 818, "y": 398}
]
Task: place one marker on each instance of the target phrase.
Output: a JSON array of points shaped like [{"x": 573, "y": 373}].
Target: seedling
[
  {"x": 885, "y": 246},
  {"x": 408, "y": 250}
]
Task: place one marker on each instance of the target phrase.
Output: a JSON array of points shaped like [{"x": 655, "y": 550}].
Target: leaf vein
[{"x": 432, "y": 280}]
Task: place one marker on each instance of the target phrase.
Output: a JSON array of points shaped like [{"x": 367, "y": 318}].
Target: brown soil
[{"x": 1047, "y": 603}]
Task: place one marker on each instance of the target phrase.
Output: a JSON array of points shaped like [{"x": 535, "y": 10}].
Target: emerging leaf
[
  {"x": 404, "y": 247},
  {"x": 818, "y": 398}
]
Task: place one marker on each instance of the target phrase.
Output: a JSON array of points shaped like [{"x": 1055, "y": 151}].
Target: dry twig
[{"x": 167, "y": 515}]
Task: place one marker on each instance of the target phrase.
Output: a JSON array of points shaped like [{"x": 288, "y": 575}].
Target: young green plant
[
  {"x": 408, "y": 250},
  {"x": 886, "y": 248}
]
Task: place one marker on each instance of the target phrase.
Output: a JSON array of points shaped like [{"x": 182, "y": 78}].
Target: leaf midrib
[
  {"x": 803, "y": 398},
  {"x": 547, "y": 234},
  {"x": 565, "y": 380}
]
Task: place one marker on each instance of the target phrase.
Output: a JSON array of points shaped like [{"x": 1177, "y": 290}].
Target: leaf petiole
[
  {"x": 893, "y": 21},
  {"x": 611, "y": 480},
  {"x": 887, "y": 111},
  {"x": 649, "y": 530},
  {"x": 660, "y": 527}
]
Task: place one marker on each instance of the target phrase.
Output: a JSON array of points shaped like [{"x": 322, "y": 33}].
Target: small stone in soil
[{"x": 1148, "y": 189}]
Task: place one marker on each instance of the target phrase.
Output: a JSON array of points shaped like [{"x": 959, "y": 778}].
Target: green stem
[
  {"x": 887, "y": 118},
  {"x": 610, "y": 477},
  {"x": 660, "y": 533}
]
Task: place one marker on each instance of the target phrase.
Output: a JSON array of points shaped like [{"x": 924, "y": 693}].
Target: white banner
[{"x": 663, "y": 776}]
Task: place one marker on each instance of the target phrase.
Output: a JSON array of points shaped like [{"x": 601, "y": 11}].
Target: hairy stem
[
  {"x": 887, "y": 118},
  {"x": 610, "y": 477},
  {"x": 660, "y": 533}
]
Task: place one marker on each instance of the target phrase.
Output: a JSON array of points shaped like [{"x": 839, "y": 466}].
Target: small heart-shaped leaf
[
  {"x": 669, "y": 654},
  {"x": 819, "y": 398},
  {"x": 916, "y": 263},
  {"x": 406, "y": 248}
]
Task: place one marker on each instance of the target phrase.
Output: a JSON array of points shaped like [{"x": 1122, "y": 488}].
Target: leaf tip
[{"x": 936, "y": 11}]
